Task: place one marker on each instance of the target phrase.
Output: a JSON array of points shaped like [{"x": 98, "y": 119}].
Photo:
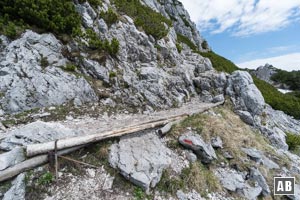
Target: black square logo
[{"x": 284, "y": 185}]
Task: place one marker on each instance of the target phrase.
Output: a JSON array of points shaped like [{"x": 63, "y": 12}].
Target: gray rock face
[
  {"x": 11, "y": 158},
  {"x": 230, "y": 179},
  {"x": 141, "y": 159},
  {"x": 30, "y": 75},
  {"x": 297, "y": 193},
  {"x": 17, "y": 191},
  {"x": 246, "y": 117},
  {"x": 255, "y": 175},
  {"x": 36, "y": 132},
  {"x": 251, "y": 193},
  {"x": 195, "y": 142},
  {"x": 265, "y": 73},
  {"x": 259, "y": 157},
  {"x": 217, "y": 142},
  {"x": 244, "y": 94}
]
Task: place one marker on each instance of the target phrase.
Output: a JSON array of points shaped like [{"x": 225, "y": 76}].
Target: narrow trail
[{"x": 107, "y": 123}]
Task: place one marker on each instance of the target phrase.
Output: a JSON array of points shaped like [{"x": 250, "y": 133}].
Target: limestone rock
[
  {"x": 11, "y": 158},
  {"x": 259, "y": 157},
  {"x": 230, "y": 179},
  {"x": 31, "y": 76},
  {"x": 217, "y": 142},
  {"x": 265, "y": 73},
  {"x": 255, "y": 175},
  {"x": 17, "y": 190},
  {"x": 244, "y": 94},
  {"x": 193, "y": 195},
  {"x": 194, "y": 142},
  {"x": 246, "y": 117},
  {"x": 36, "y": 132},
  {"x": 251, "y": 193},
  {"x": 141, "y": 159}
]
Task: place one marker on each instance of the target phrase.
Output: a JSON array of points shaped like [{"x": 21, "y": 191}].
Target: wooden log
[
  {"x": 35, "y": 149},
  {"x": 30, "y": 164}
]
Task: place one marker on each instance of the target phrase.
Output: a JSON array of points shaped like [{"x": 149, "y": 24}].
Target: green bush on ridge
[
  {"x": 152, "y": 22},
  {"x": 49, "y": 15}
]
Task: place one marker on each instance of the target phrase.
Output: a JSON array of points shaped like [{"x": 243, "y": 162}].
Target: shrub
[
  {"x": 10, "y": 30},
  {"x": 179, "y": 47},
  {"x": 110, "y": 17},
  {"x": 95, "y": 43},
  {"x": 293, "y": 141},
  {"x": 58, "y": 16},
  {"x": 220, "y": 63},
  {"x": 187, "y": 41},
  {"x": 287, "y": 103},
  {"x": 204, "y": 45},
  {"x": 292, "y": 79},
  {"x": 152, "y": 22},
  {"x": 70, "y": 68},
  {"x": 45, "y": 179},
  {"x": 44, "y": 62}
]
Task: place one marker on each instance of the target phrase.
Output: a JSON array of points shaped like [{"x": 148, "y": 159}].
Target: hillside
[{"x": 97, "y": 69}]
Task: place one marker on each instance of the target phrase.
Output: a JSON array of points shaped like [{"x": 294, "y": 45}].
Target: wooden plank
[{"x": 30, "y": 164}]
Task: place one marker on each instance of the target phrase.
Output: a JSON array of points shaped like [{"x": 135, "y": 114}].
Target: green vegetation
[
  {"x": 44, "y": 62},
  {"x": 93, "y": 3},
  {"x": 95, "y": 43},
  {"x": 196, "y": 177},
  {"x": 49, "y": 15},
  {"x": 204, "y": 45},
  {"x": 110, "y": 17},
  {"x": 112, "y": 74},
  {"x": 152, "y": 22},
  {"x": 220, "y": 63},
  {"x": 179, "y": 47},
  {"x": 187, "y": 41},
  {"x": 287, "y": 103},
  {"x": 139, "y": 194},
  {"x": 45, "y": 179},
  {"x": 292, "y": 79},
  {"x": 293, "y": 141},
  {"x": 70, "y": 67}
]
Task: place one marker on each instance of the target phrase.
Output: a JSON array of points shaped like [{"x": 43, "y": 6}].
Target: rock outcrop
[
  {"x": 265, "y": 73},
  {"x": 32, "y": 75},
  {"x": 244, "y": 94},
  {"x": 140, "y": 159},
  {"x": 194, "y": 142},
  {"x": 36, "y": 132}
]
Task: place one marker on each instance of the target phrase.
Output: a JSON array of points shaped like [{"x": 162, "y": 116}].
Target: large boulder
[
  {"x": 194, "y": 142},
  {"x": 31, "y": 75},
  {"x": 265, "y": 73},
  {"x": 36, "y": 132},
  {"x": 141, "y": 159},
  {"x": 244, "y": 94}
]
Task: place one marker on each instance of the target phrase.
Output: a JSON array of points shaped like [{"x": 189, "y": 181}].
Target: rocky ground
[{"x": 51, "y": 89}]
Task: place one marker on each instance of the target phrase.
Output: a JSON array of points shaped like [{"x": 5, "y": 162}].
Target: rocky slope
[{"x": 228, "y": 152}]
